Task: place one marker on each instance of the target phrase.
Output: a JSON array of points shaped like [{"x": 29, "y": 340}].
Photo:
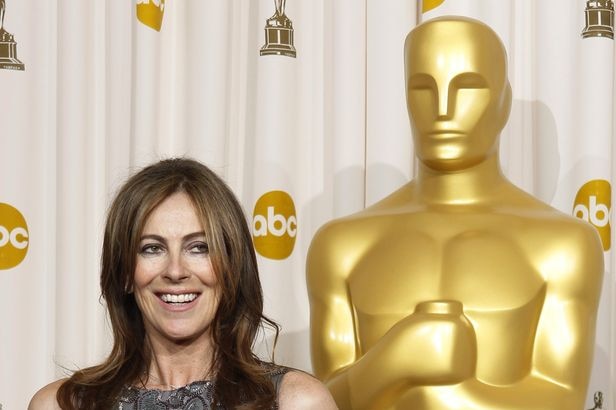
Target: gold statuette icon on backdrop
[
  {"x": 459, "y": 290},
  {"x": 428, "y": 5},
  {"x": 598, "y": 401},
  {"x": 599, "y": 19},
  {"x": 279, "y": 33},
  {"x": 151, "y": 12},
  {"x": 8, "y": 46}
]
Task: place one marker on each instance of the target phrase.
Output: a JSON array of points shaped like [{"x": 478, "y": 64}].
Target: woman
[{"x": 180, "y": 280}]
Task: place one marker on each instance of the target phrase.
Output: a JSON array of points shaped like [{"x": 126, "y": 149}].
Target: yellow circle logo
[
  {"x": 274, "y": 225},
  {"x": 593, "y": 203},
  {"x": 13, "y": 237}
]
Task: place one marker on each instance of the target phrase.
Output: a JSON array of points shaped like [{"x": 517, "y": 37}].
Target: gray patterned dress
[{"x": 194, "y": 396}]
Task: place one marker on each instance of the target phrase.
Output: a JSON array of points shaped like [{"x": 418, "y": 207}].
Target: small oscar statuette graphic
[
  {"x": 599, "y": 19},
  {"x": 151, "y": 12},
  {"x": 598, "y": 399},
  {"x": 278, "y": 33},
  {"x": 8, "y": 46}
]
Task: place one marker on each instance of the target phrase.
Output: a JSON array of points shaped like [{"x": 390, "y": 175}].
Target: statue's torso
[{"x": 493, "y": 263}]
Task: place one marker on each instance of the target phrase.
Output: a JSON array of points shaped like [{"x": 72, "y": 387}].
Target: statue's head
[{"x": 457, "y": 91}]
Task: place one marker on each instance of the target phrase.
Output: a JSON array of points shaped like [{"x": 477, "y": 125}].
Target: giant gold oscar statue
[{"x": 459, "y": 290}]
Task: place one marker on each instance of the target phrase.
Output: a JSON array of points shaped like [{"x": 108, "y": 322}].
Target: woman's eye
[
  {"x": 199, "y": 248},
  {"x": 151, "y": 249}
]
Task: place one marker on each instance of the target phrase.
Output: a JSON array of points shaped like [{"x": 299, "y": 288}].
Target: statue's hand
[{"x": 435, "y": 344}]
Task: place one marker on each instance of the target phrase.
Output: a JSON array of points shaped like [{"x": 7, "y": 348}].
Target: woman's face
[{"x": 175, "y": 285}]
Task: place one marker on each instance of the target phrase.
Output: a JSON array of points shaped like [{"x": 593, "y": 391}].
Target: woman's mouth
[{"x": 177, "y": 299}]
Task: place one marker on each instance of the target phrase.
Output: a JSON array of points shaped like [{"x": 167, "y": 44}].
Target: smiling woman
[
  {"x": 175, "y": 284},
  {"x": 180, "y": 279}
]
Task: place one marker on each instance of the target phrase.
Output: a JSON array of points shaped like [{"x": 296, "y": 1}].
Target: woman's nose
[{"x": 176, "y": 270}]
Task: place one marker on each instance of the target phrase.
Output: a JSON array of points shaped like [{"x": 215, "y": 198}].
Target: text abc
[
  {"x": 596, "y": 214},
  {"x": 274, "y": 223},
  {"x": 18, "y": 237}
]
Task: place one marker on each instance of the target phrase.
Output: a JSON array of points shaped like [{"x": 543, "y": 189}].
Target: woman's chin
[{"x": 180, "y": 334}]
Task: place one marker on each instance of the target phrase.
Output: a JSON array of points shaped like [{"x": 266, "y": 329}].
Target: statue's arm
[
  {"x": 565, "y": 338},
  {"x": 332, "y": 330}
]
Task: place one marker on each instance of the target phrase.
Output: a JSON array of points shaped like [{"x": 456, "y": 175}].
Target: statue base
[
  {"x": 279, "y": 37},
  {"x": 598, "y": 32},
  {"x": 8, "y": 53},
  {"x": 599, "y": 17}
]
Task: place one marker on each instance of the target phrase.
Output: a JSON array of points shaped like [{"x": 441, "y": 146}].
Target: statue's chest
[{"x": 479, "y": 265}]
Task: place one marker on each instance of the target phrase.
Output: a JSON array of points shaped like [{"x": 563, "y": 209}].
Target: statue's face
[{"x": 458, "y": 95}]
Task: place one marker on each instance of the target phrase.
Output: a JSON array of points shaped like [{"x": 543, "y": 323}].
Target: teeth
[{"x": 183, "y": 298}]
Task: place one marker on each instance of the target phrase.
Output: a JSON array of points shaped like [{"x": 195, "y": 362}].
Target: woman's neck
[{"x": 176, "y": 364}]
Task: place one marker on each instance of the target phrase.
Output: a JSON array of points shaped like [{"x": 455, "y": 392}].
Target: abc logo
[
  {"x": 593, "y": 204},
  {"x": 274, "y": 225},
  {"x": 13, "y": 237}
]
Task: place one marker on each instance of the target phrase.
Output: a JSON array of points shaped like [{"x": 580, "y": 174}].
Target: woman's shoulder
[
  {"x": 45, "y": 398},
  {"x": 300, "y": 390}
]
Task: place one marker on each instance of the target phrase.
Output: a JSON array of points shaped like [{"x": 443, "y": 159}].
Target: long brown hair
[{"x": 241, "y": 378}]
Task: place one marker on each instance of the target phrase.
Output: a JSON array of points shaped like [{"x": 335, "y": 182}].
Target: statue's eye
[
  {"x": 469, "y": 80},
  {"x": 421, "y": 82}
]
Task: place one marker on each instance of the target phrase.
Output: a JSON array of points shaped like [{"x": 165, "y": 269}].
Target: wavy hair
[{"x": 241, "y": 378}]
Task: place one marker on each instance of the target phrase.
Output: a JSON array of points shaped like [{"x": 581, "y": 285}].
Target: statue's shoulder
[
  {"x": 331, "y": 248},
  {"x": 567, "y": 249},
  {"x": 368, "y": 220},
  {"x": 556, "y": 222},
  {"x": 575, "y": 235},
  {"x": 339, "y": 233},
  {"x": 553, "y": 225},
  {"x": 544, "y": 215}
]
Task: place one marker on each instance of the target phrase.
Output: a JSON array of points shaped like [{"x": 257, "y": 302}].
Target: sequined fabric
[{"x": 194, "y": 396}]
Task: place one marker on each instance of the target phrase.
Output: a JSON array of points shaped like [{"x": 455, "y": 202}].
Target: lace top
[{"x": 194, "y": 396}]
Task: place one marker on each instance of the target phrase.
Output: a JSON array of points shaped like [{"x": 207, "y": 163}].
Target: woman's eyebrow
[
  {"x": 153, "y": 236},
  {"x": 194, "y": 235},
  {"x": 162, "y": 239}
]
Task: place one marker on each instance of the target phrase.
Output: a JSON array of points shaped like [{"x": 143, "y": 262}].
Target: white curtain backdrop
[{"x": 90, "y": 91}]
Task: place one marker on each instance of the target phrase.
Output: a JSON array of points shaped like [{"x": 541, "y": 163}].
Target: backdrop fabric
[{"x": 299, "y": 105}]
